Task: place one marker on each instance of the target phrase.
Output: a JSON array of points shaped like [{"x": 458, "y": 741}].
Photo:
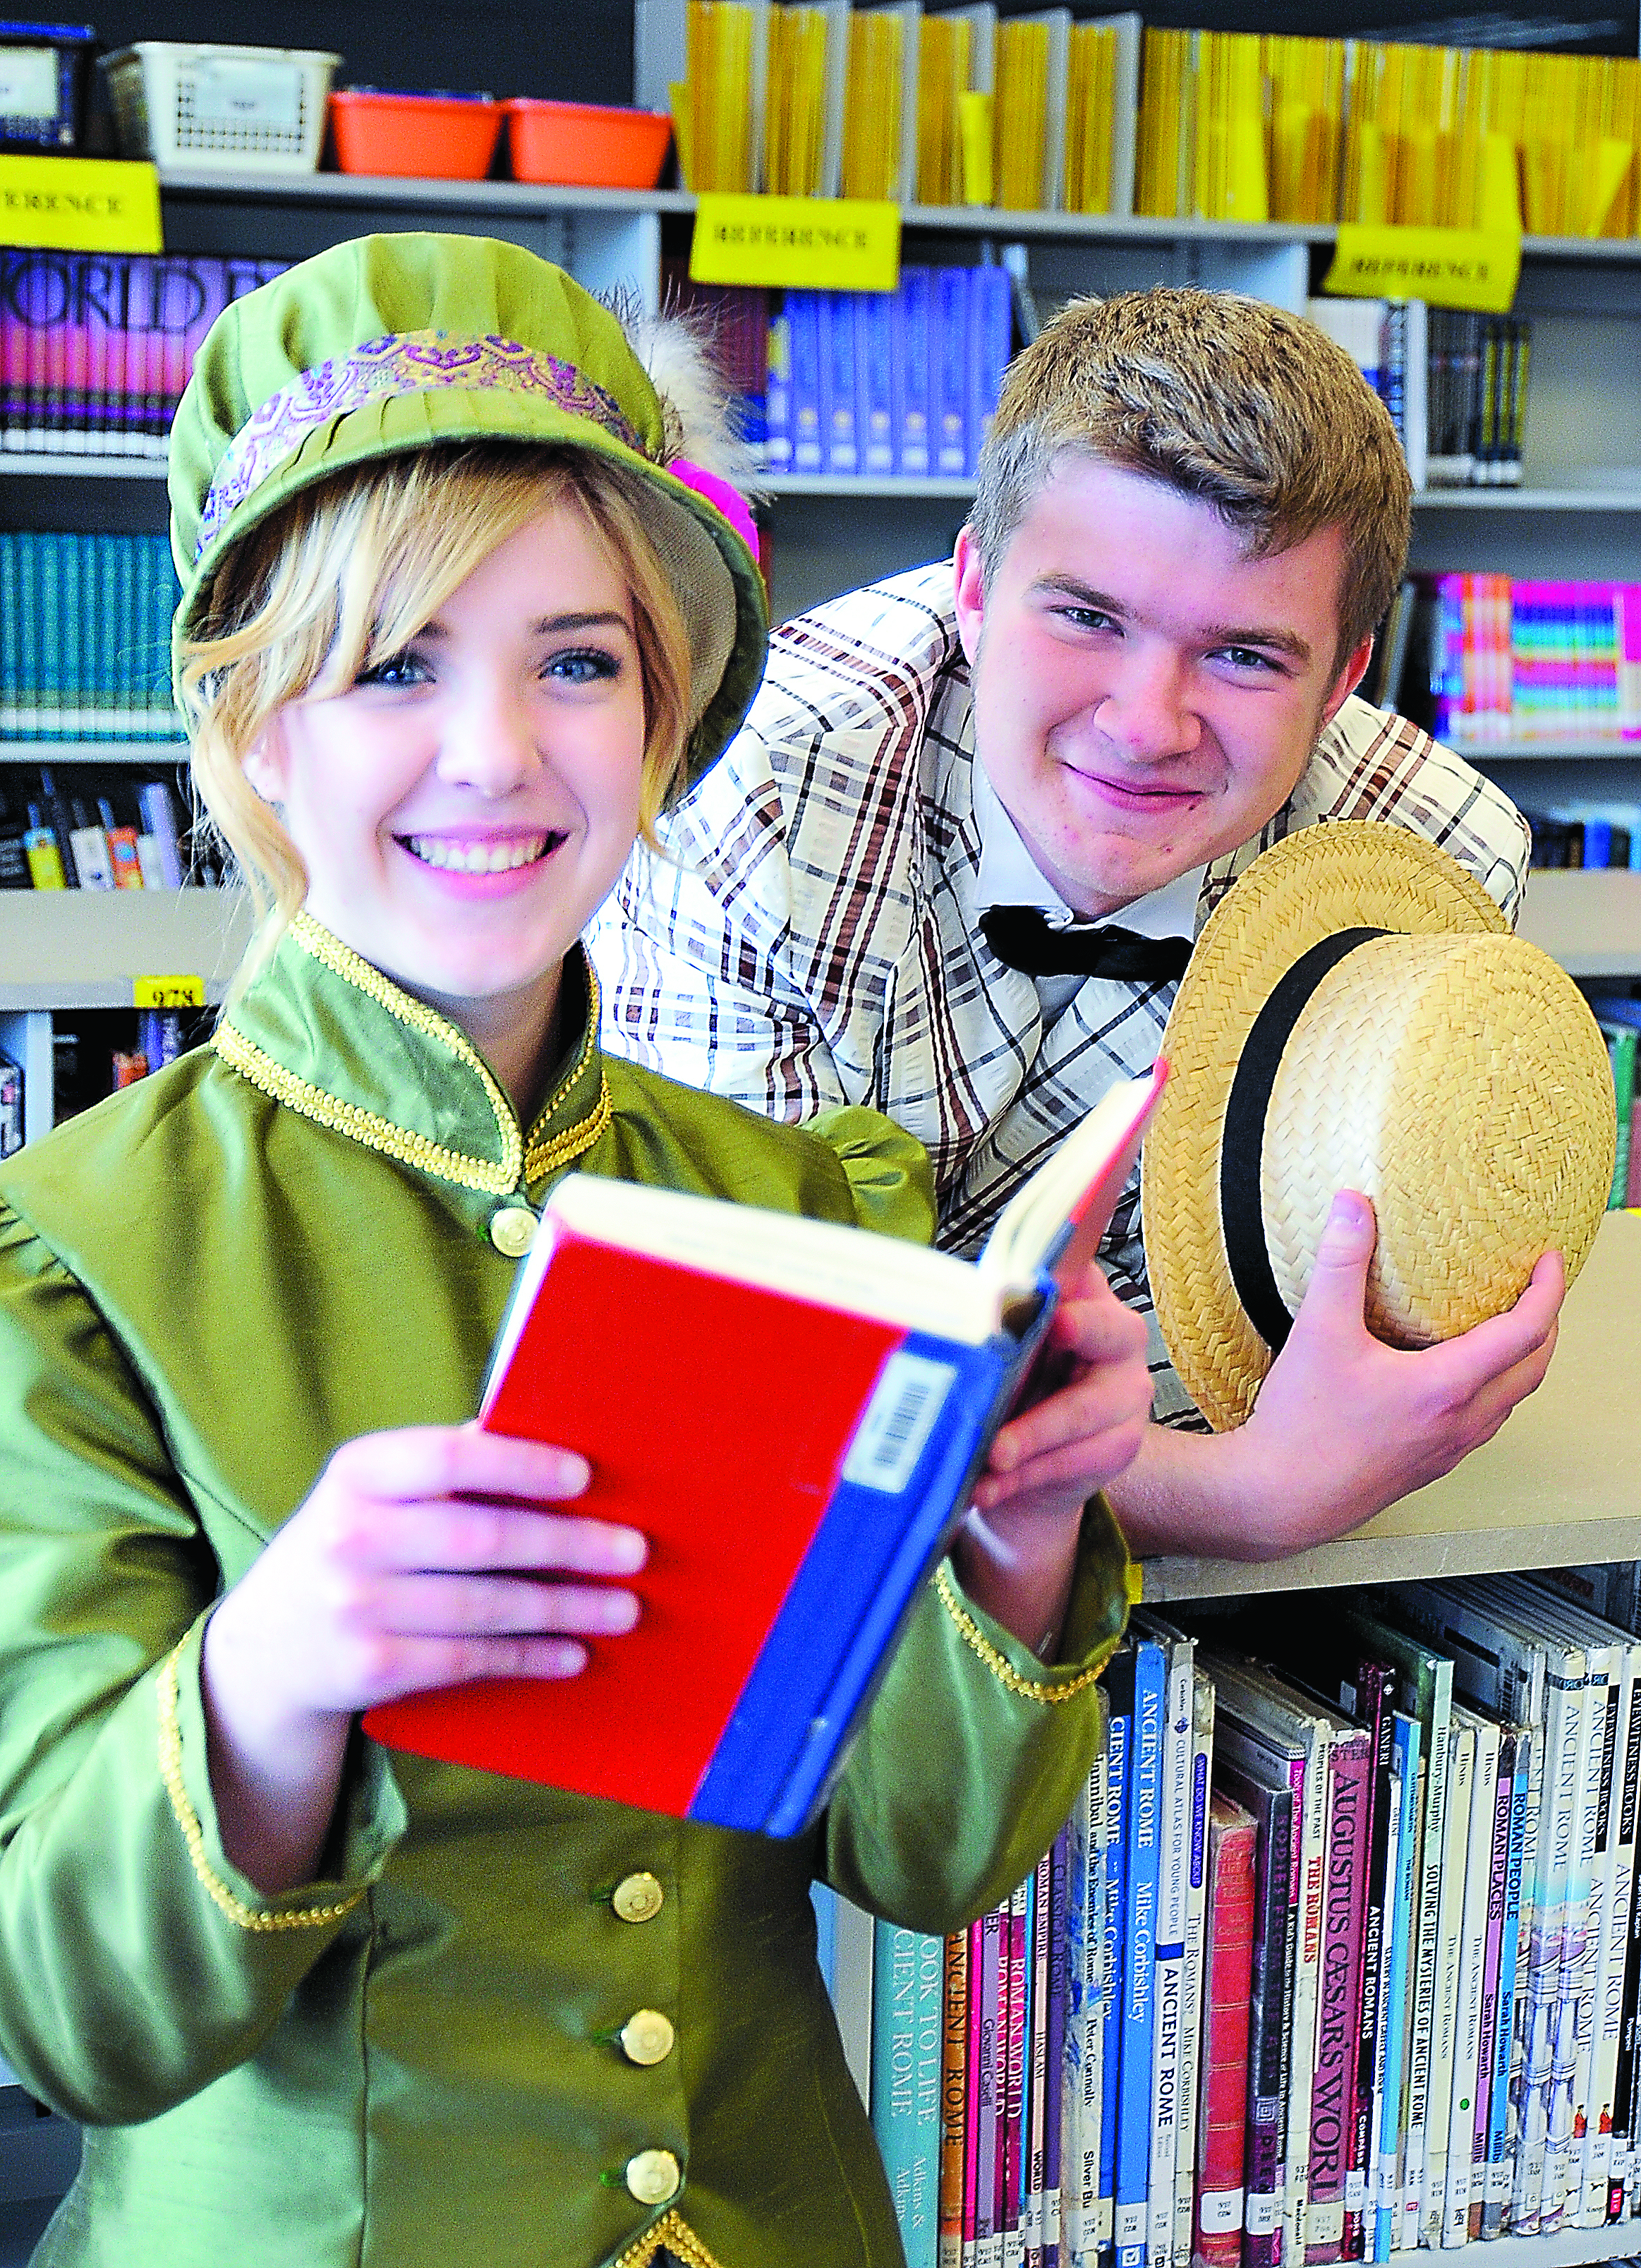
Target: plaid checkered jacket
[{"x": 813, "y": 938}]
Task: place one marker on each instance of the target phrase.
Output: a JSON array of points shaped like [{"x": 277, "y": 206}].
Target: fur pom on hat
[{"x": 697, "y": 410}]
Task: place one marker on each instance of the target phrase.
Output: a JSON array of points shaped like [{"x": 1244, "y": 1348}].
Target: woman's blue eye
[
  {"x": 585, "y": 666},
  {"x": 398, "y": 669}
]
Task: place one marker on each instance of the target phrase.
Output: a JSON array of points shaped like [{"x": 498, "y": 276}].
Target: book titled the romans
[{"x": 794, "y": 1413}]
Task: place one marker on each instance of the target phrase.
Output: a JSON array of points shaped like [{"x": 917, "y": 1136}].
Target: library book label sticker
[
  {"x": 815, "y": 244},
  {"x": 28, "y": 83},
  {"x": 909, "y": 1395},
  {"x": 80, "y": 204},
  {"x": 168, "y": 992},
  {"x": 1475, "y": 268}
]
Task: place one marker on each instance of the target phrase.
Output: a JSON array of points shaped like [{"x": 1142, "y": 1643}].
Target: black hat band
[{"x": 1243, "y": 1142}]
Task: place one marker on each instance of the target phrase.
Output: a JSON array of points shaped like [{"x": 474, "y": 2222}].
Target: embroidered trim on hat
[{"x": 401, "y": 362}]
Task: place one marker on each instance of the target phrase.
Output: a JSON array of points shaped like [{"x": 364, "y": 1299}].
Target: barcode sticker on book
[{"x": 900, "y": 1418}]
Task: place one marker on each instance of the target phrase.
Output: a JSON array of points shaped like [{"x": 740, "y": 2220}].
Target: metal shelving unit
[{"x": 1549, "y": 1490}]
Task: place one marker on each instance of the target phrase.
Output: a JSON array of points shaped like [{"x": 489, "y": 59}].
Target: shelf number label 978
[{"x": 168, "y": 992}]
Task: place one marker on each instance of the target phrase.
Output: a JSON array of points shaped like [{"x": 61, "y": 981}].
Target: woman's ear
[{"x": 263, "y": 764}]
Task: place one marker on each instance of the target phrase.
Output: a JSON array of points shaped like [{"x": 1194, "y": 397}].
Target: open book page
[{"x": 1055, "y": 1222}]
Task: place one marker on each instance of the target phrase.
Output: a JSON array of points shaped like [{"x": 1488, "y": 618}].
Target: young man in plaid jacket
[{"x": 1139, "y": 670}]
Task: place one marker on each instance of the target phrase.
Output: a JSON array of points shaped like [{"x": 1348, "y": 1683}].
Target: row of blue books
[
  {"x": 875, "y": 385},
  {"x": 1337, "y": 1958},
  {"x": 85, "y": 638}
]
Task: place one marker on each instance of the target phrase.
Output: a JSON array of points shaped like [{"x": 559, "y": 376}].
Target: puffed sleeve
[
  {"x": 890, "y": 1179},
  {"x": 137, "y": 1964},
  {"x": 974, "y": 1751}
]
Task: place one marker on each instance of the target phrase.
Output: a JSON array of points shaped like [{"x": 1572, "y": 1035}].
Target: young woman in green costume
[{"x": 467, "y": 598}]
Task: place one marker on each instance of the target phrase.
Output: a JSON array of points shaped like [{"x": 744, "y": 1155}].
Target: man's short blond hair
[{"x": 1227, "y": 399}]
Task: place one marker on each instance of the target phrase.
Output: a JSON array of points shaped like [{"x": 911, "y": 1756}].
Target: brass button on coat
[
  {"x": 512, "y": 1231},
  {"x": 653, "y": 2177},
  {"x": 647, "y": 2036},
  {"x": 637, "y": 1897}
]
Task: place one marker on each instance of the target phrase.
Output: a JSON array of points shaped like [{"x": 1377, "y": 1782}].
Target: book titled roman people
[{"x": 794, "y": 1413}]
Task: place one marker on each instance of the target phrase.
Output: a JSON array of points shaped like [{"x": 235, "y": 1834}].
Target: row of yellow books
[
  {"x": 1242, "y": 126},
  {"x": 1035, "y": 113},
  {"x": 1043, "y": 112}
]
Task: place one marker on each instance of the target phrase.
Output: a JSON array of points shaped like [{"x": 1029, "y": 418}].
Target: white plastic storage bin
[{"x": 251, "y": 110}]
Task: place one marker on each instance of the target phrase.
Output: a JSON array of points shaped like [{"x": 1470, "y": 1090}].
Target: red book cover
[
  {"x": 792, "y": 1411},
  {"x": 1227, "y": 1992},
  {"x": 641, "y": 1722}
]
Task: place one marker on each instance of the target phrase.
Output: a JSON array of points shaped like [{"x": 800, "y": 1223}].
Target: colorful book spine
[
  {"x": 1138, "y": 2007},
  {"x": 1401, "y": 1886},
  {"x": 948, "y": 365},
  {"x": 911, "y": 319},
  {"x": 1168, "y": 1984},
  {"x": 1223, "y": 2092},
  {"x": 1496, "y": 2199},
  {"x": 1196, "y": 1957},
  {"x": 906, "y": 1999},
  {"x": 1120, "y": 1756},
  {"x": 953, "y": 2089},
  {"x": 1338, "y": 2011},
  {"x": 1056, "y": 1993},
  {"x": 1275, "y": 1920},
  {"x": 1498, "y": 1894}
]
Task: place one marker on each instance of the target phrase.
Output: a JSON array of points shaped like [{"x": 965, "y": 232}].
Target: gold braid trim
[
  {"x": 1029, "y": 1688},
  {"x": 545, "y": 1157},
  {"x": 222, "y": 1897},
  {"x": 672, "y": 2231},
  {"x": 374, "y": 1132}
]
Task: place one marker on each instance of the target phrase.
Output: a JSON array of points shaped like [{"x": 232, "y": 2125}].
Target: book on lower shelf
[
  {"x": 765, "y": 1627},
  {"x": 1503, "y": 2078}
]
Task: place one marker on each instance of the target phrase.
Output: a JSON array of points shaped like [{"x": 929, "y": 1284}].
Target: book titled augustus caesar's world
[{"x": 794, "y": 1413}]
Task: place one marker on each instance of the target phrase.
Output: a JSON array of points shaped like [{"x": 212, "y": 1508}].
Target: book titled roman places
[{"x": 794, "y": 1413}]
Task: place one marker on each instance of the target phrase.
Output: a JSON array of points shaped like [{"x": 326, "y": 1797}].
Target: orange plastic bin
[
  {"x": 586, "y": 144},
  {"x": 440, "y": 137}
]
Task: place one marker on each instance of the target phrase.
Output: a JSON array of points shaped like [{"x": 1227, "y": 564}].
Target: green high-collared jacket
[{"x": 207, "y": 1285}]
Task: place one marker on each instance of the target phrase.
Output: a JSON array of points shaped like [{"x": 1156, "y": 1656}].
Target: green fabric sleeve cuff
[{"x": 370, "y": 1816}]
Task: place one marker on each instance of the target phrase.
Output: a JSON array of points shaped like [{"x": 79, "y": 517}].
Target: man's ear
[
  {"x": 1350, "y": 677},
  {"x": 969, "y": 591}
]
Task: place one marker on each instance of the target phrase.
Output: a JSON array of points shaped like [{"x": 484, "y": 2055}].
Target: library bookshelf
[{"x": 1552, "y": 1488}]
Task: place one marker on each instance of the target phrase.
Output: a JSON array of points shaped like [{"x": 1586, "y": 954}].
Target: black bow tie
[{"x": 1022, "y": 938}]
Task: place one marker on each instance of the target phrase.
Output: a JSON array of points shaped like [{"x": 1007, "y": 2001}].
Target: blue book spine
[
  {"x": 802, "y": 310},
  {"x": 910, "y": 316},
  {"x": 933, "y": 1413},
  {"x": 948, "y": 363},
  {"x": 1119, "y": 1751},
  {"x": 874, "y": 355},
  {"x": 839, "y": 416},
  {"x": 1405, "y": 1763},
  {"x": 779, "y": 393},
  {"x": 906, "y": 1991},
  {"x": 1139, "y": 1976},
  {"x": 991, "y": 310},
  {"x": 1497, "y": 2195},
  {"x": 823, "y": 1898},
  {"x": 11, "y": 645}
]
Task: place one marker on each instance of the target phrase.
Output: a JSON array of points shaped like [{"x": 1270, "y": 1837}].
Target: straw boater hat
[
  {"x": 1357, "y": 1014},
  {"x": 391, "y": 344}
]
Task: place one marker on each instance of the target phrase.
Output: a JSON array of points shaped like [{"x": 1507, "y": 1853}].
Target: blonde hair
[
  {"x": 344, "y": 575},
  {"x": 1249, "y": 409}
]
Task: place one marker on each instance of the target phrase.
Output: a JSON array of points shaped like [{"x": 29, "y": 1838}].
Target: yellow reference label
[
  {"x": 1450, "y": 266},
  {"x": 813, "y": 244},
  {"x": 168, "y": 992},
  {"x": 80, "y": 204}
]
